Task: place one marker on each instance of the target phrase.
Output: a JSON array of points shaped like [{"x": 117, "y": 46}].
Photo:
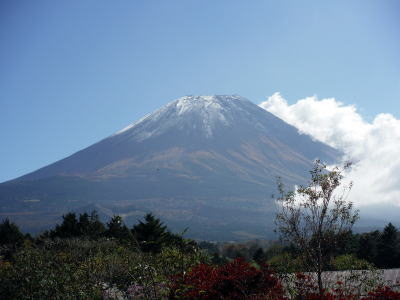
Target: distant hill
[{"x": 205, "y": 162}]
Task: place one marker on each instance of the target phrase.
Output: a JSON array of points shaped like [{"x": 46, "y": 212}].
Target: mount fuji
[{"x": 205, "y": 162}]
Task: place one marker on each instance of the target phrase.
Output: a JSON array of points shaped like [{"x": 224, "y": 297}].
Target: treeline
[
  {"x": 379, "y": 249},
  {"x": 151, "y": 235}
]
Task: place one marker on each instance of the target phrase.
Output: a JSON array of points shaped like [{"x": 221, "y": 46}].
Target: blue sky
[{"x": 74, "y": 72}]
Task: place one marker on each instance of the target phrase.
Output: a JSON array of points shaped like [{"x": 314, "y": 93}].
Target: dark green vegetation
[
  {"x": 380, "y": 249},
  {"x": 82, "y": 258}
]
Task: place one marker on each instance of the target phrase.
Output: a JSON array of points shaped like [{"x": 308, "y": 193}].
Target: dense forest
[{"x": 82, "y": 258}]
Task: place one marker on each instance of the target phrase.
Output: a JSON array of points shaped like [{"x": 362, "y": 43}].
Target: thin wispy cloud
[{"x": 373, "y": 147}]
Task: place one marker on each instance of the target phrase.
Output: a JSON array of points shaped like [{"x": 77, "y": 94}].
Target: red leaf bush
[
  {"x": 235, "y": 280},
  {"x": 238, "y": 280},
  {"x": 383, "y": 293}
]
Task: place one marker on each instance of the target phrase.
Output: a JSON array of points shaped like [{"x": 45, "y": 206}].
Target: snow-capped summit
[
  {"x": 216, "y": 104},
  {"x": 202, "y": 112},
  {"x": 201, "y": 115}
]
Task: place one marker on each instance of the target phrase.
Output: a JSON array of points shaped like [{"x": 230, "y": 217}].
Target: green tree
[
  {"x": 10, "y": 233},
  {"x": 68, "y": 228},
  {"x": 347, "y": 244},
  {"x": 368, "y": 246},
  {"x": 83, "y": 224},
  {"x": 117, "y": 229},
  {"x": 259, "y": 256},
  {"x": 315, "y": 218},
  {"x": 388, "y": 248},
  {"x": 90, "y": 226},
  {"x": 219, "y": 260},
  {"x": 152, "y": 234}
]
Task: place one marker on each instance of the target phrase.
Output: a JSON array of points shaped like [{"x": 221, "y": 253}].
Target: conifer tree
[
  {"x": 368, "y": 246},
  {"x": 117, "y": 229},
  {"x": 388, "y": 248},
  {"x": 10, "y": 233},
  {"x": 259, "y": 256},
  {"x": 96, "y": 228},
  {"x": 151, "y": 234},
  {"x": 68, "y": 228},
  {"x": 90, "y": 226}
]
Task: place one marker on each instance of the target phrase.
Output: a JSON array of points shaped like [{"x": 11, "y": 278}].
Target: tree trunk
[
  {"x": 320, "y": 265},
  {"x": 320, "y": 287}
]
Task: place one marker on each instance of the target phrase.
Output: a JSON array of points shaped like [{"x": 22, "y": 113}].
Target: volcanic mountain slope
[{"x": 207, "y": 162}]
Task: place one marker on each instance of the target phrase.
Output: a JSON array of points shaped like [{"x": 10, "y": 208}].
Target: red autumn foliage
[
  {"x": 307, "y": 289},
  {"x": 238, "y": 280},
  {"x": 383, "y": 293},
  {"x": 235, "y": 280}
]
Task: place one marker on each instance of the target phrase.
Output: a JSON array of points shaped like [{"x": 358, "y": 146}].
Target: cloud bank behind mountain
[{"x": 373, "y": 147}]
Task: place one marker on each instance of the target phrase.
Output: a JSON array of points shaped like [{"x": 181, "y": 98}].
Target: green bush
[
  {"x": 285, "y": 263},
  {"x": 87, "y": 269},
  {"x": 350, "y": 262}
]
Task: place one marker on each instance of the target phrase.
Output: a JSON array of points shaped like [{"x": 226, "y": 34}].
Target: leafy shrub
[
  {"x": 285, "y": 263},
  {"x": 350, "y": 262},
  {"x": 87, "y": 269},
  {"x": 172, "y": 261},
  {"x": 60, "y": 269}
]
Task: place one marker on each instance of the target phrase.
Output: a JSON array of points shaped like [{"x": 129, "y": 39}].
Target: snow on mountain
[{"x": 207, "y": 111}]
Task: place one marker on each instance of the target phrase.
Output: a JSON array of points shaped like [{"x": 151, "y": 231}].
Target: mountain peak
[
  {"x": 205, "y": 102},
  {"x": 204, "y": 111},
  {"x": 210, "y": 98}
]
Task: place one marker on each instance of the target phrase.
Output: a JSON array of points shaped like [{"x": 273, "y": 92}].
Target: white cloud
[{"x": 374, "y": 147}]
